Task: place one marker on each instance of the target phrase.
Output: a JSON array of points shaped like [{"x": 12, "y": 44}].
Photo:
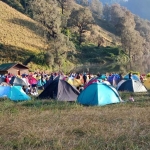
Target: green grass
[{"x": 45, "y": 125}]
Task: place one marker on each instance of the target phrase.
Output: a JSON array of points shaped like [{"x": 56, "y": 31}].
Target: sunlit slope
[{"x": 18, "y": 30}]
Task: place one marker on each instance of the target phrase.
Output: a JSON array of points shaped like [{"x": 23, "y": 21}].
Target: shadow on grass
[
  {"x": 50, "y": 104},
  {"x": 29, "y": 24},
  {"x": 14, "y": 53},
  {"x": 105, "y": 25}
]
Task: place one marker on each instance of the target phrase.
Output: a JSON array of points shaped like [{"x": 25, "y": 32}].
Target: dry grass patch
[
  {"x": 19, "y": 30},
  {"x": 69, "y": 126}
]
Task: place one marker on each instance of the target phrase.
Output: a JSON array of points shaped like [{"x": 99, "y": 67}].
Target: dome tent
[
  {"x": 16, "y": 81},
  {"x": 98, "y": 94},
  {"x": 134, "y": 77},
  {"x": 131, "y": 86},
  {"x": 60, "y": 90},
  {"x": 17, "y": 94},
  {"x": 147, "y": 83},
  {"x": 14, "y": 93},
  {"x": 4, "y": 91}
]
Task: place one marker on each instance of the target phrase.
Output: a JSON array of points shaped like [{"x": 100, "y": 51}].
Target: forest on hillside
[{"x": 67, "y": 23}]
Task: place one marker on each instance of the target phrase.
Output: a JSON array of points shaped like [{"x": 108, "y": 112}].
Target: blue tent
[
  {"x": 4, "y": 91},
  {"x": 103, "y": 76},
  {"x": 14, "y": 93},
  {"x": 116, "y": 79},
  {"x": 110, "y": 79},
  {"x": 98, "y": 94},
  {"x": 17, "y": 94},
  {"x": 134, "y": 77},
  {"x": 131, "y": 86},
  {"x": 2, "y": 80}
]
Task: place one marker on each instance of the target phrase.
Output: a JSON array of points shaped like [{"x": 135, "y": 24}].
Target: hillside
[
  {"x": 22, "y": 38},
  {"x": 18, "y": 35},
  {"x": 138, "y": 7}
]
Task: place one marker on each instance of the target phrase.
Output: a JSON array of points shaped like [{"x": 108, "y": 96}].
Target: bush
[
  {"x": 148, "y": 75},
  {"x": 1, "y": 45}
]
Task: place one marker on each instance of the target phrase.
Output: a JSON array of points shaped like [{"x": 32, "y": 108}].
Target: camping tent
[
  {"x": 147, "y": 83},
  {"x": 103, "y": 77},
  {"x": 96, "y": 80},
  {"x": 14, "y": 93},
  {"x": 26, "y": 81},
  {"x": 134, "y": 77},
  {"x": 75, "y": 82},
  {"x": 98, "y": 93},
  {"x": 17, "y": 82},
  {"x": 116, "y": 79},
  {"x": 110, "y": 79},
  {"x": 2, "y": 80},
  {"x": 4, "y": 91},
  {"x": 118, "y": 85},
  {"x": 60, "y": 77},
  {"x": 60, "y": 90},
  {"x": 93, "y": 80},
  {"x": 17, "y": 94},
  {"x": 131, "y": 86},
  {"x": 4, "y": 84}
]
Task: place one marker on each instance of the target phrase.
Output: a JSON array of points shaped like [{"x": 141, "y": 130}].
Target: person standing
[
  {"x": 84, "y": 78},
  {"x": 130, "y": 75},
  {"x": 6, "y": 79}
]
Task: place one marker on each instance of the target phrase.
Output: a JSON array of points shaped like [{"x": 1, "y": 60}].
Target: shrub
[
  {"x": 1, "y": 45},
  {"x": 148, "y": 75}
]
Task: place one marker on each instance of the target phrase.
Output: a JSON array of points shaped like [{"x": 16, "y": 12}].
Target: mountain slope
[
  {"x": 22, "y": 41},
  {"x": 137, "y": 7},
  {"x": 18, "y": 32}
]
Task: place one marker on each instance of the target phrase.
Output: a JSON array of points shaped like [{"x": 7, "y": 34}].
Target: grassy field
[{"x": 52, "y": 125}]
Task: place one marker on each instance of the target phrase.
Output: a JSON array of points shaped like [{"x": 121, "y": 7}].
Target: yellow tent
[
  {"x": 74, "y": 82},
  {"x": 77, "y": 82},
  {"x": 70, "y": 81},
  {"x": 147, "y": 83}
]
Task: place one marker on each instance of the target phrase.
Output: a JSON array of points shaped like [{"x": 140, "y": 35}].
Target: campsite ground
[{"x": 46, "y": 125}]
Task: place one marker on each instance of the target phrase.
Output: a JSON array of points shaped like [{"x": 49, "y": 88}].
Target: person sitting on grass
[
  {"x": 131, "y": 98},
  {"x": 28, "y": 90},
  {"x": 34, "y": 91},
  {"x": 24, "y": 88}
]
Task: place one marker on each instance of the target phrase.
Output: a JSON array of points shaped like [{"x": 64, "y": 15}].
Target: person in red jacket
[{"x": 6, "y": 79}]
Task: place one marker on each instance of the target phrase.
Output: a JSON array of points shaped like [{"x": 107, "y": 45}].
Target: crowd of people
[{"x": 42, "y": 79}]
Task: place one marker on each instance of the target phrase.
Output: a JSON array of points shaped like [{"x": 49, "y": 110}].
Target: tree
[
  {"x": 106, "y": 12},
  {"x": 81, "y": 19},
  {"x": 100, "y": 41},
  {"x": 96, "y": 7},
  {"x": 59, "y": 47},
  {"x": 132, "y": 43},
  {"x": 64, "y": 4},
  {"x": 46, "y": 13},
  {"x": 131, "y": 40},
  {"x": 49, "y": 58},
  {"x": 116, "y": 12},
  {"x": 83, "y": 2},
  {"x": 25, "y": 4}
]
